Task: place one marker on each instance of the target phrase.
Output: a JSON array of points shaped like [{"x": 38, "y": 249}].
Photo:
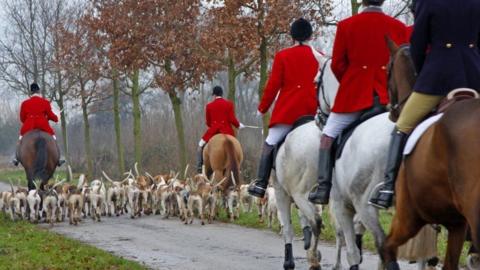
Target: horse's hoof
[
  {"x": 317, "y": 267},
  {"x": 354, "y": 267},
  {"x": 132, "y": 217}
]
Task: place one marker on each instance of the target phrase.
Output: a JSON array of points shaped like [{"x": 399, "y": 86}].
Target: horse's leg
[
  {"x": 405, "y": 225},
  {"x": 456, "y": 238},
  {"x": 283, "y": 203},
  {"x": 339, "y": 240},
  {"x": 344, "y": 216},
  {"x": 310, "y": 213},
  {"x": 369, "y": 218}
]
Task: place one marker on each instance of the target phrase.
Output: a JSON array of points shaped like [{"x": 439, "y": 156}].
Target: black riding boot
[
  {"x": 258, "y": 187},
  {"x": 60, "y": 161},
  {"x": 16, "y": 159},
  {"x": 321, "y": 193},
  {"x": 384, "y": 198},
  {"x": 200, "y": 159}
]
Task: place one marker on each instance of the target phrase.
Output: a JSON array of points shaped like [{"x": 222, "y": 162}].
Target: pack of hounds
[{"x": 137, "y": 194}]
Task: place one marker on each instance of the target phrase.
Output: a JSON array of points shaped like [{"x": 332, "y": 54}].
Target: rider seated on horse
[
  {"x": 35, "y": 113},
  {"x": 291, "y": 84},
  {"x": 444, "y": 49},
  {"x": 359, "y": 60},
  {"x": 220, "y": 117}
]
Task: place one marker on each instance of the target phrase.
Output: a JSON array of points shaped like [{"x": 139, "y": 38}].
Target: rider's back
[
  {"x": 445, "y": 45},
  {"x": 360, "y": 56},
  {"x": 35, "y": 113}
]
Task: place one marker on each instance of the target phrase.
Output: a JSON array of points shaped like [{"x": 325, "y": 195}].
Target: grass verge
[{"x": 26, "y": 246}]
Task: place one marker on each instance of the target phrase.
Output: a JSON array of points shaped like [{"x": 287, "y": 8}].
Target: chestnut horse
[
  {"x": 438, "y": 183},
  {"x": 39, "y": 157},
  {"x": 223, "y": 156}
]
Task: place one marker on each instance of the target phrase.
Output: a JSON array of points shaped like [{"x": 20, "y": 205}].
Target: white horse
[
  {"x": 359, "y": 170},
  {"x": 295, "y": 175}
]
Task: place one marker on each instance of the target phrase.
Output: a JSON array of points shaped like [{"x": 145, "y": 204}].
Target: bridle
[
  {"x": 396, "y": 105},
  {"x": 322, "y": 115}
]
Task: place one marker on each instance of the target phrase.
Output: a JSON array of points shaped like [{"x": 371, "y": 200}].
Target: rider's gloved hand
[
  {"x": 241, "y": 126},
  {"x": 259, "y": 114}
]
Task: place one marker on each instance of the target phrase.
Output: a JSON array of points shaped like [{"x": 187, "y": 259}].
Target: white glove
[
  {"x": 259, "y": 114},
  {"x": 241, "y": 126}
]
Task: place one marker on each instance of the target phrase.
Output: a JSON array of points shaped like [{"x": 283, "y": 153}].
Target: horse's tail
[
  {"x": 233, "y": 168},
  {"x": 40, "y": 163}
]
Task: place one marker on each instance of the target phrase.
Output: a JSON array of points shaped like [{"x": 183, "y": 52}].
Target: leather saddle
[{"x": 455, "y": 96}]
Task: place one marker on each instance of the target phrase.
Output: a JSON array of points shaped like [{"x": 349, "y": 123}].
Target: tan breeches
[{"x": 416, "y": 108}]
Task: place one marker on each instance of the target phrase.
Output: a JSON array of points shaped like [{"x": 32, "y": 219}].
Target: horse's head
[{"x": 401, "y": 77}]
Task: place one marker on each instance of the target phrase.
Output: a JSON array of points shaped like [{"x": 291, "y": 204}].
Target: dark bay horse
[
  {"x": 39, "y": 156},
  {"x": 439, "y": 182}
]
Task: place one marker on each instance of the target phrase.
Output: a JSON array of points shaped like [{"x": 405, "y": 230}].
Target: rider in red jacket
[
  {"x": 359, "y": 60},
  {"x": 220, "y": 119},
  {"x": 35, "y": 113},
  {"x": 291, "y": 86}
]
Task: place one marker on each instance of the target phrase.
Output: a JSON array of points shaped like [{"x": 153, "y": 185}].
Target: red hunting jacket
[
  {"x": 220, "y": 117},
  {"x": 291, "y": 82},
  {"x": 360, "y": 56},
  {"x": 35, "y": 113}
]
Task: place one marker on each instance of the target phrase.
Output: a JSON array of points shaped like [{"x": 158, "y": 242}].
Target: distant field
[
  {"x": 26, "y": 246},
  {"x": 251, "y": 219}
]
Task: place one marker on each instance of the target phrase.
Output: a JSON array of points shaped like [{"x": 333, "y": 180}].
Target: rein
[{"x": 322, "y": 116}]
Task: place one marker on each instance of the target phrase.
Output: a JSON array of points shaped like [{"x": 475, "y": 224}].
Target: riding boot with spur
[
  {"x": 200, "y": 159},
  {"x": 384, "y": 198},
  {"x": 258, "y": 187},
  {"x": 321, "y": 193}
]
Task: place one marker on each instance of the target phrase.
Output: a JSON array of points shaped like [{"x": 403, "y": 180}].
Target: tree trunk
[
  {"x": 263, "y": 81},
  {"x": 63, "y": 122},
  {"x": 355, "y": 7},
  {"x": 232, "y": 75},
  {"x": 177, "y": 112},
  {"x": 86, "y": 132},
  {"x": 117, "y": 122},
  {"x": 137, "y": 118}
]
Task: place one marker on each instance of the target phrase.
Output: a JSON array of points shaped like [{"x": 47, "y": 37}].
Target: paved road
[{"x": 168, "y": 244}]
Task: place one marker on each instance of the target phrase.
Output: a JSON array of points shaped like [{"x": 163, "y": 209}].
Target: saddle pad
[{"x": 418, "y": 132}]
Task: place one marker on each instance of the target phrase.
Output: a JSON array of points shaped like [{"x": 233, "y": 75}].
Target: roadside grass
[
  {"x": 26, "y": 246},
  {"x": 251, "y": 220}
]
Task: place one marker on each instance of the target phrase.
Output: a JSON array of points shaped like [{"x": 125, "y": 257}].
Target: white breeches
[
  {"x": 202, "y": 143},
  {"x": 277, "y": 133},
  {"x": 337, "y": 122}
]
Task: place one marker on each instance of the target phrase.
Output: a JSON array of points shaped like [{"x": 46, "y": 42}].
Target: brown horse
[
  {"x": 438, "y": 183},
  {"x": 223, "y": 156},
  {"x": 39, "y": 156}
]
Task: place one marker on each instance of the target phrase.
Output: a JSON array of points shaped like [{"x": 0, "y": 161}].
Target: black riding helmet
[
  {"x": 373, "y": 2},
  {"x": 217, "y": 91},
  {"x": 34, "y": 88},
  {"x": 301, "y": 30}
]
